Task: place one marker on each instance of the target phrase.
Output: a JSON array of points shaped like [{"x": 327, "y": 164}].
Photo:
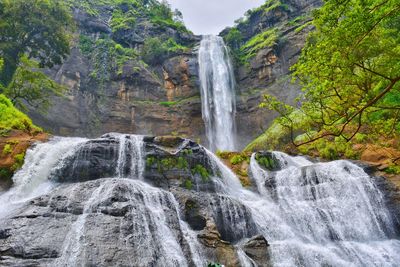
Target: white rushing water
[
  {"x": 32, "y": 179},
  {"x": 311, "y": 214},
  {"x": 217, "y": 93},
  {"x": 131, "y": 156},
  {"x": 324, "y": 214},
  {"x": 154, "y": 216}
]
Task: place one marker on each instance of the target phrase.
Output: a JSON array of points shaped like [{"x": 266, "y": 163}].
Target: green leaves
[
  {"x": 31, "y": 87},
  {"x": 348, "y": 65},
  {"x": 11, "y": 118},
  {"x": 36, "y": 28}
]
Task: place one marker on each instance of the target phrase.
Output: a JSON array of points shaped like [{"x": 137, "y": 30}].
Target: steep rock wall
[{"x": 165, "y": 98}]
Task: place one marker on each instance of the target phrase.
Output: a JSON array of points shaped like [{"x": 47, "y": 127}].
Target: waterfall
[
  {"x": 311, "y": 214},
  {"x": 217, "y": 93},
  {"x": 152, "y": 241},
  {"x": 31, "y": 180},
  {"x": 323, "y": 214},
  {"x": 130, "y": 146}
]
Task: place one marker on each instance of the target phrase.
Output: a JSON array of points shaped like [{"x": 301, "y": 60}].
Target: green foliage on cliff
[
  {"x": 244, "y": 49},
  {"x": 37, "y": 29},
  {"x": 161, "y": 14},
  {"x": 12, "y": 118},
  {"x": 268, "y": 38},
  {"x": 121, "y": 20},
  {"x": 267, "y": 7},
  {"x": 155, "y": 50},
  {"x": 349, "y": 70},
  {"x": 350, "y": 73},
  {"x": 126, "y": 15},
  {"x": 33, "y": 88}
]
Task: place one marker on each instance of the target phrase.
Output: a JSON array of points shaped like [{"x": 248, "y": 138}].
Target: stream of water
[
  {"x": 217, "y": 93},
  {"x": 312, "y": 214}
]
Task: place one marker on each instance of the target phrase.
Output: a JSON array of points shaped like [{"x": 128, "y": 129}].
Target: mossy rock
[
  {"x": 268, "y": 161},
  {"x": 168, "y": 141}
]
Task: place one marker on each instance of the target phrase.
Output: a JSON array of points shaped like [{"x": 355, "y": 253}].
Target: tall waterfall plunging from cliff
[
  {"x": 217, "y": 93},
  {"x": 125, "y": 200}
]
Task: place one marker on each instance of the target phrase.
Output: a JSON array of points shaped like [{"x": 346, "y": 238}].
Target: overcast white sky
[{"x": 212, "y": 16}]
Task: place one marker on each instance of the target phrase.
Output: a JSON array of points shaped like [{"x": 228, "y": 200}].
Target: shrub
[
  {"x": 199, "y": 169},
  {"x": 237, "y": 159},
  {"x": 188, "y": 184},
  {"x": 153, "y": 51},
  {"x": 7, "y": 149},
  {"x": 168, "y": 103},
  {"x": 394, "y": 169},
  {"x": 12, "y": 118},
  {"x": 19, "y": 161}
]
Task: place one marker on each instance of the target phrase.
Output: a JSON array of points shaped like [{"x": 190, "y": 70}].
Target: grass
[
  {"x": 268, "y": 38},
  {"x": 168, "y": 103}
]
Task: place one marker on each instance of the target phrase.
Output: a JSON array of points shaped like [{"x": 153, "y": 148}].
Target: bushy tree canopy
[
  {"x": 349, "y": 69},
  {"x": 37, "y": 29}
]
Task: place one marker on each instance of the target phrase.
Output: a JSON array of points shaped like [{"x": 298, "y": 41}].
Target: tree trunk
[{"x": 7, "y": 72}]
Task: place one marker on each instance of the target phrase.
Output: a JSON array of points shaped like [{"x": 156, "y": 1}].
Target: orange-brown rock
[
  {"x": 380, "y": 156},
  {"x": 224, "y": 251},
  {"x": 13, "y": 144},
  {"x": 177, "y": 81}
]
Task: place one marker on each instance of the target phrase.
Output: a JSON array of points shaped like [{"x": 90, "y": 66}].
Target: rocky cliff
[
  {"x": 125, "y": 200},
  {"x": 111, "y": 88}
]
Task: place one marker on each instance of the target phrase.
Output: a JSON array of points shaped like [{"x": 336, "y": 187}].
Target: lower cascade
[
  {"x": 126, "y": 200},
  {"x": 217, "y": 93}
]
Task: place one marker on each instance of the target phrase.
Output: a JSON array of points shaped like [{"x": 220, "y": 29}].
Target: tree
[
  {"x": 234, "y": 39},
  {"x": 349, "y": 70},
  {"x": 153, "y": 51},
  {"x": 31, "y": 87},
  {"x": 35, "y": 28}
]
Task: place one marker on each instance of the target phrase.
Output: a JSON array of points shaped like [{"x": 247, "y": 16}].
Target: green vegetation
[
  {"x": 350, "y": 73},
  {"x": 11, "y": 118},
  {"x": 244, "y": 50},
  {"x": 33, "y": 88},
  {"x": 237, "y": 159},
  {"x": 155, "y": 50},
  {"x": 121, "y": 20},
  {"x": 5, "y": 174},
  {"x": 181, "y": 163},
  {"x": 202, "y": 171},
  {"x": 394, "y": 169},
  {"x": 188, "y": 184},
  {"x": 268, "y": 6},
  {"x": 168, "y": 103},
  {"x": 162, "y": 15},
  {"x": 298, "y": 21},
  {"x": 19, "y": 161},
  {"x": 7, "y": 149},
  {"x": 108, "y": 57},
  {"x": 167, "y": 163},
  {"x": 234, "y": 39},
  {"x": 302, "y": 27},
  {"x": 267, "y": 161},
  {"x": 110, "y": 53},
  {"x": 37, "y": 29},
  {"x": 262, "y": 40}
]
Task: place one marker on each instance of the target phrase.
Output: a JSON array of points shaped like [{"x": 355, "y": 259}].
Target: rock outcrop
[
  {"x": 13, "y": 146},
  {"x": 164, "y": 99},
  {"x": 124, "y": 200},
  {"x": 90, "y": 218},
  {"x": 268, "y": 71}
]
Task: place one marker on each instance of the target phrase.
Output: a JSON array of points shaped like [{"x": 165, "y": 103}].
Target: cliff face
[
  {"x": 266, "y": 43},
  {"x": 110, "y": 88}
]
